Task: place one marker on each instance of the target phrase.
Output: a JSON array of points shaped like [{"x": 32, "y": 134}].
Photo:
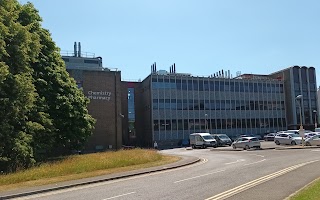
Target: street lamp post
[
  {"x": 301, "y": 131},
  {"x": 206, "y": 123},
  {"x": 315, "y": 119}
]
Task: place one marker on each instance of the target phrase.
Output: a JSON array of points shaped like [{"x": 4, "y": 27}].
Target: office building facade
[{"x": 178, "y": 104}]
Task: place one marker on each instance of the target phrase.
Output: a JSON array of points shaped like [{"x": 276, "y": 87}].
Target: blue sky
[{"x": 200, "y": 36}]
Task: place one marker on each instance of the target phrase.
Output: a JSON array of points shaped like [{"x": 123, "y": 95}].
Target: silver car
[
  {"x": 309, "y": 135},
  {"x": 246, "y": 143},
  {"x": 287, "y": 138},
  {"x": 313, "y": 141}
]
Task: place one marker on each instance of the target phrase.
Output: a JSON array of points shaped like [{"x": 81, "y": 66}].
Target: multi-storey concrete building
[
  {"x": 167, "y": 106},
  {"x": 103, "y": 87},
  {"x": 177, "y": 104}
]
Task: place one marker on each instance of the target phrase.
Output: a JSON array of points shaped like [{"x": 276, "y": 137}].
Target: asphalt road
[{"x": 260, "y": 174}]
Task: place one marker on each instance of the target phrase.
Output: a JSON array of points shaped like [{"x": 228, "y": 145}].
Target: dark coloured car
[{"x": 222, "y": 139}]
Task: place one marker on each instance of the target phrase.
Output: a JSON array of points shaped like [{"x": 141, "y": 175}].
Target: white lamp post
[{"x": 315, "y": 119}]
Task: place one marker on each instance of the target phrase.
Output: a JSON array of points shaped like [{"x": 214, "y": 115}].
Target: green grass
[
  {"x": 82, "y": 166},
  {"x": 311, "y": 192}
]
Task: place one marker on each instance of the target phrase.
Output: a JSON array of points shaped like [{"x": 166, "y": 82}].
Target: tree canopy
[{"x": 41, "y": 108}]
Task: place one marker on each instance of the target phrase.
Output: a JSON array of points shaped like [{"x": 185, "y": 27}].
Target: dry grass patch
[{"x": 84, "y": 166}]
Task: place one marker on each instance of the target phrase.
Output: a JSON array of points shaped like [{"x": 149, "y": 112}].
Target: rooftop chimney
[
  {"x": 75, "y": 49},
  {"x": 79, "y": 49}
]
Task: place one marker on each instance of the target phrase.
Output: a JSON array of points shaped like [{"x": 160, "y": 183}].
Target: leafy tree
[
  {"x": 61, "y": 98},
  {"x": 18, "y": 48},
  {"x": 41, "y": 107}
]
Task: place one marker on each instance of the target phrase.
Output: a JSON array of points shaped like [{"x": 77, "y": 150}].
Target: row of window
[
  {"x": 305, "y": 87},
  {"x": 305, "y": 95},
  {"x": 233, "y": 86},
  {"x": 185, "y": 104},
  {"x": 202, "y": 124}
]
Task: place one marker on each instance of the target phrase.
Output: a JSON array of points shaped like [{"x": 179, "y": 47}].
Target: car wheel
[
  {"x": 193, "y": 146},
  {"x": 234, "y": 146},
  {"x": 246, "y": 147},
  {"x": 277, "y": 142},
  {"x": 204, "y": 146},
  {"x": 293, "y": 143},
  {"x": 308, "y": 143},
  {"x": 215, "y": 146}
]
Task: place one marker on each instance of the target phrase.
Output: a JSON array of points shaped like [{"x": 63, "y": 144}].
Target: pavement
[{"x": 184, "y": 161}]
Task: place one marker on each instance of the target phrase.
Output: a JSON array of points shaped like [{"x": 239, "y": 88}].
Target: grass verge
[
  {"x": 84, "y": 166},
  {"x": 311, "y": 192}
]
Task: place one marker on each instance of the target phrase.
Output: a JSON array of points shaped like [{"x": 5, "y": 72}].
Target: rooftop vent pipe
[
  {"x": 75, "y": 49},
  {"x": 79, "y": 49}
]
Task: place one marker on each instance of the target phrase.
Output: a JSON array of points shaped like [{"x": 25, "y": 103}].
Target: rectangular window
[
  {"x": 167, "y": 103},
  {"x": 91, "y": 61},
  {"x": 155, "y": 125},
  {"x": 161, "y": 104},
  {"x": 162, "y": 125},
  {"x": 190, "y": 85},
  {"x": 206, "y": 86},
  {"x": 184, "y": 85},
  {"x": 155, "y": 104},
  {"x": 180, "y": 124}
]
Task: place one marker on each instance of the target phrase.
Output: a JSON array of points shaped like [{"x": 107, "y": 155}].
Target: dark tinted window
[
  {"x": 91, "y": 61},
  {"x": 296, "y": 74},
  {"x": 311, "y": 75}
]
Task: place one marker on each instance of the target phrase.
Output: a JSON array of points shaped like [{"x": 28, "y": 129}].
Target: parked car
[
  {"x": 269, "y": 137},
  {"x": 246, "y": 143},
  {"x": 317, "y": 130},
  {"x": 313, "y": 141},
  {"x": 294, "y": 131},
  {"x": 222, "y": 139},
  {"x": 258, "y": 136},
  {"x": 240, "y": 136},
  {"x": 287, "y": 138},
  {"x": 311, "y": 134}
]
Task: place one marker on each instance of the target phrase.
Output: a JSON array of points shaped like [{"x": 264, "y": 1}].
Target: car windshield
[
  {"x": 294, "y": 135},
  {"x": 207, "y": 137},
  {"x": 223, "y": 137}
]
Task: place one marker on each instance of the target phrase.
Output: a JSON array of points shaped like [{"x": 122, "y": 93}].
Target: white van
[{"x": 202, "y": 140}]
